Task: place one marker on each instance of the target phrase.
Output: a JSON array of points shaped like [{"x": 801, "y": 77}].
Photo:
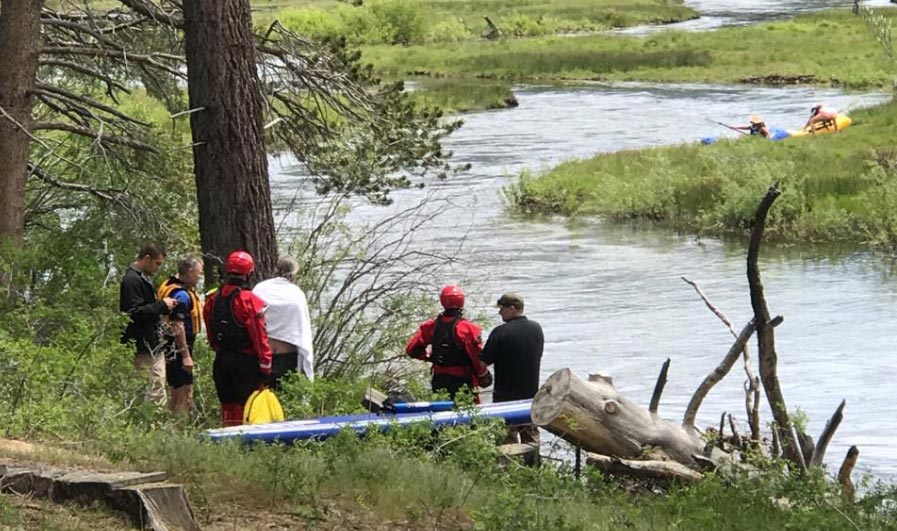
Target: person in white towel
[{"x": 289, "y": 323}]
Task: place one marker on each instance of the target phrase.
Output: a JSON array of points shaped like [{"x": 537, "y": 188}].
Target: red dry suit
[
  {"x": 235, "y": 325},
  {"x": 455, "y": 346}
]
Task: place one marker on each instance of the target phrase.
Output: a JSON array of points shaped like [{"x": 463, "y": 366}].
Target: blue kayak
[
  {"x": 774, "y": 134},
  {"x": 414, "y": 407},
  {"x": 513, "y": 413}
]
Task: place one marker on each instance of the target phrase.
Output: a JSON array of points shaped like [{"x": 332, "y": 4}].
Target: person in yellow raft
[
  {"x": 755, "y": 128},
  {"x": 824, "y": 116}
]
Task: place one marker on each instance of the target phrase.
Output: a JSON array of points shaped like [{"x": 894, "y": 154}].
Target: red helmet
[
  {"x": 451, "y": 297},
  {"x": 239, "y": 263}
]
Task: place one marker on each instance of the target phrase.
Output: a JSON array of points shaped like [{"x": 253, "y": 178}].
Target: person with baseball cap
[{"x": 515, "y": 349}]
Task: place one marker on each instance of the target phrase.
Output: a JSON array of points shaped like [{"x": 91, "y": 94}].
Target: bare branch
[
  {"x": 658, "y": 387},
  {"x": 766, "y": 334},
  {"x": 751, "y": 409},
  {"x": 110, "y": 83},
  {"x": 150, "y": 10},
  {"x": 107, "y": 195},
  {"x": 850, "y": 461},
  {"x": 151, "y": 59},
  {"x": 825, "y": 438},
  {"x": 691, "y": 412},
  {"x": 80, "y": 28},
  {"x": 84, "y": 131},
  {"x": 53, "y": 91}
]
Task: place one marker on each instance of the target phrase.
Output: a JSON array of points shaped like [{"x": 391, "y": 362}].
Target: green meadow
[
  {"x": 449, "y": 21},
  {"x": 832, "y": 47}
]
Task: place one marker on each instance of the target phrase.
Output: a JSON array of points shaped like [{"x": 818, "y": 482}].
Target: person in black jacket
[
  {"x": 515, "y": 348},
  {"x": 137, "y": 298}
]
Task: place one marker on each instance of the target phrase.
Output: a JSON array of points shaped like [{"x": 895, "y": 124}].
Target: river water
[
  {"x": 721, "y": 13},
  {"x": 610, "y": 297}
]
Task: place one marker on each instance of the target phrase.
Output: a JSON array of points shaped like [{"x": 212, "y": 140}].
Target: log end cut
[{"x": 548, "y": 403}]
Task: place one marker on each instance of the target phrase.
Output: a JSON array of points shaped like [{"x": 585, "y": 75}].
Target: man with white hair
[{"x": 289, "y": 323}]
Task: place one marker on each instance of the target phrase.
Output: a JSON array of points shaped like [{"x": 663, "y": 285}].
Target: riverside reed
[
  {"x": 837, "y": 187},
  {"x": 834, "y": 47}
]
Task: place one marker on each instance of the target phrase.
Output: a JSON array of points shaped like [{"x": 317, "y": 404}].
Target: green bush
[
  {"x": 310, "y": 22},
  {"x": 451, "y": 30},
  {"x": 403, "y": 20}
]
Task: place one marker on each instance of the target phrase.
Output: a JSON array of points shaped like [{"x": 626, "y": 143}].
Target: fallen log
[
  {"x": 659, "y": 471},
  {"x": 596, "y": 417}
]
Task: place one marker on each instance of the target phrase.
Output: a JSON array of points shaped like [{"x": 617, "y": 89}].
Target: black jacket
[
  {"x": 515, "y": 348},
  {"x": 137, "y": 298}
]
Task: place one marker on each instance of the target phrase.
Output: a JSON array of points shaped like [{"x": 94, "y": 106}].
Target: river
[{"x": 610, "y": 297}]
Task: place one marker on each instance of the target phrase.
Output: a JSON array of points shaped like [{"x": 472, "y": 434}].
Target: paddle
[
  {"x": 739, "y": 131},
  {"x": 849, "y": 105}
]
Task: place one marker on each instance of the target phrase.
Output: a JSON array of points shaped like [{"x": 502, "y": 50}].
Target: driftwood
[
  {"x": 596, "y": 417},
  {"x": 752, "y": 386},
  {"x": 660, "y": 471},
  {"x": 850, "y": 461},
  {"x": 766, "y": 335},
  {"x": 658, "y": 387},
  {"x": 492, "y": 33},
  {"x": 691, "y": 411},
  {"x": 826, "y": 436}
]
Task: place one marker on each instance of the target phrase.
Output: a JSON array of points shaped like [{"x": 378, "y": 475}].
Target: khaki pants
[{"x": 153, "y": 368}]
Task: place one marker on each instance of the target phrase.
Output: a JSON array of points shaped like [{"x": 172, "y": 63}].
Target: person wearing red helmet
[
  {"x": 235, "y": 324},
  {"x": 453, "y": 345}
]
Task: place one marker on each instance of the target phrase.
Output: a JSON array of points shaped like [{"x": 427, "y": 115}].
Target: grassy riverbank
[
  {"x": 449, "y": 21},
  {"x": 833, "y": 47},
  {"x": 840, "y": 187},
  {"x": 393, "y": 482}
]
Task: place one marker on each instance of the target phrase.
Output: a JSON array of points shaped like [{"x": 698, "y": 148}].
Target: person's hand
[
  {"x": 188, "y": 364},
  {"x": 485, "y": 380},
  {"x": 170, "y": 303}
]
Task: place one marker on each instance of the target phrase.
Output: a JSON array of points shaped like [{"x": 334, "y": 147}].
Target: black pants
[
  {"x": 281, "y": 365},
  {"x": 236, "y": 376},
  {"x": 450, "y": 383}
]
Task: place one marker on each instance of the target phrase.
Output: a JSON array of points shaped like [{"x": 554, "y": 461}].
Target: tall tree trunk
[
  {"x": 231, "y": 167},
  {"x": 20, "y": 41}
]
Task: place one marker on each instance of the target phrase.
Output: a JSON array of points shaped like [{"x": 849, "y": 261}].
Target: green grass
[
  {"x": 453, "y": 96},
  {"x": 428, "y": 21},
  {"x": 840, "y": 187},
  {"x": 463, "y": 486},
  {"x": 832, "y": 47}
]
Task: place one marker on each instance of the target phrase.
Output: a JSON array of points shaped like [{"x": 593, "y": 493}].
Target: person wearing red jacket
[
  {"x": 453, "y": 345},
  {"x": 235, "y": 324}
]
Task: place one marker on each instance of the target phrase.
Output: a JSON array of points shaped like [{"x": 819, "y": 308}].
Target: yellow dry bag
[{"x": 262, "y": 407}]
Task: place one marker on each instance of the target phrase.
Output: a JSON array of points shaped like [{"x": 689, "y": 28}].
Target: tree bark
[
  {"x": 231, "y": 167},
  {"x": 596, "y": 417},
  {"x": 766, "y": 343},
  {"x": 20, "y": 42}
]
